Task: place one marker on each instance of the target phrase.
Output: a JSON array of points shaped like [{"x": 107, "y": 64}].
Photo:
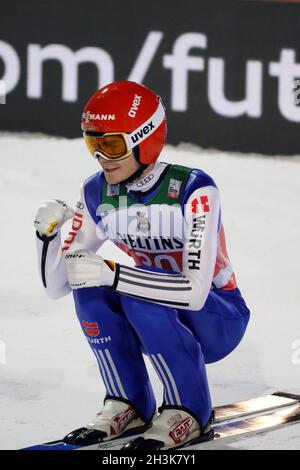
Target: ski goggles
[
  {"x": 119, "y": 145},
  {"x": 110, "y": 146}
]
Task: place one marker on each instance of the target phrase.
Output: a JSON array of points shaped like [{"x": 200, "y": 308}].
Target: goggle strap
[{"x": 148, "y": 127}]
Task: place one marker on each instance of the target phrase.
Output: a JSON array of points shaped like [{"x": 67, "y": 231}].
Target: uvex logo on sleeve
[{"x": 203, "y": 200}]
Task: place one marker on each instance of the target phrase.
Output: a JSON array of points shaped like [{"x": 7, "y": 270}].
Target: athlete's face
[{"x": 115, "y": 172}]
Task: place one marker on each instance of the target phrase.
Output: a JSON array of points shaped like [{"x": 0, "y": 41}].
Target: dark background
[{"x": 236, "y": 31}]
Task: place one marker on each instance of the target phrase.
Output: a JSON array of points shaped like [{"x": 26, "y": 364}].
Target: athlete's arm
[
  {"x": 84, "y": 234},
  {"x": 189, "y": 289}
]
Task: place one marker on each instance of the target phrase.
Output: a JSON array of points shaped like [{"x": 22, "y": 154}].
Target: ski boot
[
  {"x": 116, "y": 419},
  {"x": 173, "y": 428}
]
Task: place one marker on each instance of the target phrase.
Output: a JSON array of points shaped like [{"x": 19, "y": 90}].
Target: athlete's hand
[
  {"x": 51, "y": 216},
  {"x": 86, "y": 269}
]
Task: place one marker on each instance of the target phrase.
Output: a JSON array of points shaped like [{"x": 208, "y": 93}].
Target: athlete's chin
[{"x": 113, "y": 177}]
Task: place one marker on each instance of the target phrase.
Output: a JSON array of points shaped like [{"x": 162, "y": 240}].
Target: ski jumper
[{"x": 180, "y": 304}]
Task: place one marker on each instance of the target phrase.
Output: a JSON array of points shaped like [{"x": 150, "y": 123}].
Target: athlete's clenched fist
[
  {"x": 51, "y": 216},
  {"x": 86, "y": 269}
]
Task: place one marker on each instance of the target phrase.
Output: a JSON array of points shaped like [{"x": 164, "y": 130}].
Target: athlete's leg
[
  {"x": 116, "y": 347},
  {"x": 175, "y": 354},
  {"x": 220, "y": 325}
]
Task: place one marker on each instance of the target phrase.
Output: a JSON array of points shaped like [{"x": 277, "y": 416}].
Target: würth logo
[
  {"x": 91, "y": 328},
  {"x": 203, "y": 202},
  {"x": 140, "y": 135}
]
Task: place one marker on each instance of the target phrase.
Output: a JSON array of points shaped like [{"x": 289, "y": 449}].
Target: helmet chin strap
[
  {"x": 139, "y": 171},
  {"x": 135, "y": 175}
]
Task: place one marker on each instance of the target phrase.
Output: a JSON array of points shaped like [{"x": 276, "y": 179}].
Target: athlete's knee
[{"x": 233, "y": 333}]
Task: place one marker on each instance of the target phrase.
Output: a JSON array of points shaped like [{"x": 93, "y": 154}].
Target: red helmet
[{"x": 132, "y": 108}]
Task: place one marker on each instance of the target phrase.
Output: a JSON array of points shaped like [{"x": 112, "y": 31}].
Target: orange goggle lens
[{"x": 111, "y": 146}]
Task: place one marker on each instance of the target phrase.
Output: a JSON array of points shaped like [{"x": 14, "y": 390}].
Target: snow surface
[{"x": 50, "y": 382}]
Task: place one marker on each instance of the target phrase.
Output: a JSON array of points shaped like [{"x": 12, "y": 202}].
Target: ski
[
  {"x": 254, "y": 406},
  {"x": 240, "y": 418},
  {"x": 229, "y": 429},
  {"x": 246, "y": 427}
]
